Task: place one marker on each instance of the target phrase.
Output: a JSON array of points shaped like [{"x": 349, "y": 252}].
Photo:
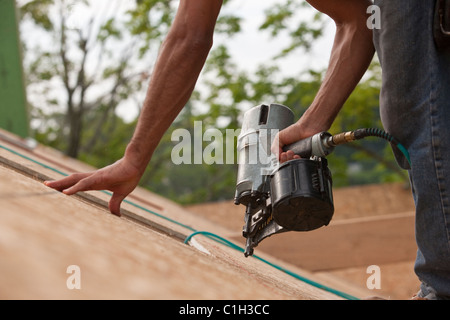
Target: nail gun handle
[
  {"x": 318, "y": 145},
  {"x": 302, "y": 148}
]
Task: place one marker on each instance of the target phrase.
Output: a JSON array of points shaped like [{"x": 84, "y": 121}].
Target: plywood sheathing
[{"x": 43, "y": 232}]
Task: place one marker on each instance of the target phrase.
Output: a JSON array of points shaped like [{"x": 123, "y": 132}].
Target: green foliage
[
  {"x": 287, "y": 18},
  {"x": 150, "y": 21},
  {"x": 228, "y": 24},
  {"x": 38, "y": 11}
]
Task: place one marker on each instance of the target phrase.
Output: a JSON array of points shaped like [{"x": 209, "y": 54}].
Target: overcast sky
[{"x": 252, "y": 47}]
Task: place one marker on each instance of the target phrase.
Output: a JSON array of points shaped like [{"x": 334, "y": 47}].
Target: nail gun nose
[{"x": 248, "y": 248}]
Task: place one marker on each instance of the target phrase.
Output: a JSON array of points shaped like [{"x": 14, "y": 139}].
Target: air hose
[{"x": 359, "y": 134}]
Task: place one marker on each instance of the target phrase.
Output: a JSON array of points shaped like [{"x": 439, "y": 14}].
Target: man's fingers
[
  {"x": 90, "y": 182},
  {"x": 66, "y": 182},
  {"x": 277, "y": 146},
  {"x": 79, "y": 186},
  {"x": 86, "y": 181},
  {"x": 114, "y": 203},
  {"x": 289, "y": 155},
  {"x": 74, "y": 183},
  {"x": 283, "y": 157}
]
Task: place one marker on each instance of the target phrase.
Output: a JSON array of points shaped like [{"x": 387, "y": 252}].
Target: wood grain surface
[{"x": 44, "y": 232}]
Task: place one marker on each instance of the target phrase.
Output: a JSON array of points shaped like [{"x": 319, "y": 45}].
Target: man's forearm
[
  {"x": 170, "y": 88},
  {"x": 176, "y": 71},
  {"x": 351, "y": 55}
]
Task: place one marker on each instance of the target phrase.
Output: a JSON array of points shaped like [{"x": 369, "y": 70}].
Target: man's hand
[
  {"x": 302, "y": 129},
  {"x": 121, "y": 178},
  {"x": 283, "y": 138}
]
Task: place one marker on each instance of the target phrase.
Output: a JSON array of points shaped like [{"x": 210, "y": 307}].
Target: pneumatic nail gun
[{"x": 292, "y": 196}]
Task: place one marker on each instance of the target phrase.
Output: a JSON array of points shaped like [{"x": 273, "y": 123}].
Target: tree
[{"x": 94, "y": 66}]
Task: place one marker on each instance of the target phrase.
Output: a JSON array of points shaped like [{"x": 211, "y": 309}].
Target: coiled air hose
[{"x": 359, "y": 134}]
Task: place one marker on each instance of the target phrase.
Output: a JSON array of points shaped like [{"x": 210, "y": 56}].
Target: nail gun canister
[
  {"x": 301, "y": 194},
  {"x": 259, "y": 127}
]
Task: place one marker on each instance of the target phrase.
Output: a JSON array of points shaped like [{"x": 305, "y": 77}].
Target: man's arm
[
  {"x": 181, "y": 58},
  {"x": 350, "y": 57}
]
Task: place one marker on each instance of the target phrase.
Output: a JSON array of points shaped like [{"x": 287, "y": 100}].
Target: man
[{"x": 414, "y": 106}]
